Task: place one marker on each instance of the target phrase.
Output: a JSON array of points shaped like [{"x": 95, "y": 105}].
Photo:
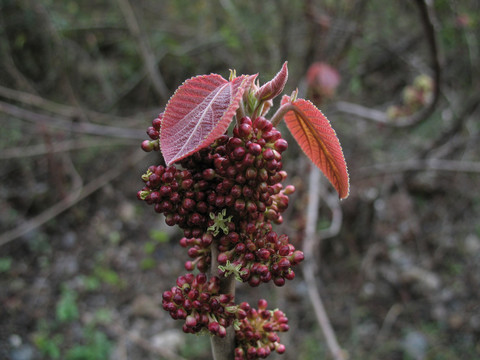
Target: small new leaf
[{"x": 274, "y": 87}]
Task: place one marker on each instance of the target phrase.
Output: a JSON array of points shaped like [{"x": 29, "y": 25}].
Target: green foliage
[
  {"x": 39, "y": 244},
  {"x": 159, "y": 236},
  {"x": 5, "y": 264},
  {"x": 311, "y": 349},
  {"x": 108, "y": 276},
  {"x": 67, "y": 309},
  {"x": 50, "y": 341},
  {"x": 149, "y": 248},
  {"x": 97, "y": 347},
  {"x": 49, "y": 346},
  {"x": 91, "y": 283},
  {"x": 196, "y": 347},
  {"x": 114, "y": 237},
  {"x": 148, "y": 263},
  {"x": 102, "y": 316}
]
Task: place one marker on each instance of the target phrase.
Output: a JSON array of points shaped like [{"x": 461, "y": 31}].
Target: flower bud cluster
[
  {"x": 258, "y": 255},
  {"x": 199, "y": 303},
  {"x": 231, "y": 192},
  {"x": 180, "y": 196},
  {"x": 256, "y": 334},
  {"x": 153, "y": 133},
  {"x": 227, "y": 195}
]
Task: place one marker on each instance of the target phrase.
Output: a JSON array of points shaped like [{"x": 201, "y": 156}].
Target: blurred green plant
[
  {"x": 196, "y": 347},
  {"x": 67, "y": 309},
  {"x": 97, "y": 346},
  {"x": 108, "y": 276},
  {"x": 48, "y": 345},
  {"x": 49, "y": 338},
  {"x": 5, "y": 264},
  {"x": 157, "y": 237}
]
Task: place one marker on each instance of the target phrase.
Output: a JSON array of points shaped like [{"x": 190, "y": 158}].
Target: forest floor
[{"x": 400, "y": 281}]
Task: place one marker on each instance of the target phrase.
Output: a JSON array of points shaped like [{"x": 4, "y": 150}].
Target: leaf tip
[{"x": 274, "y": 87}]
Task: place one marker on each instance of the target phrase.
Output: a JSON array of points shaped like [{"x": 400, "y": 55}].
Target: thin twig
[
  {"x": 337, "y": 216},
  {"x": 146, "y": 51},
  {"x": 308, "y": 267},
  {"x": 8, "y": 64},
  {"x": 469, "y": 107},
  {"x": 421, "y": 115},
  {"x": 57, "y": 147},
  {"x": 71, "y": 199},
  {"x": 51, "y": 106},
  {"x": 418, "y": 165},
  {"x": 363, "y": 112},
  {"x": 388, "y": 322},
  {"x": 50, "y": 31},
  {"x": 340, "y": 49},
  {"x": 84, "y": 127}
]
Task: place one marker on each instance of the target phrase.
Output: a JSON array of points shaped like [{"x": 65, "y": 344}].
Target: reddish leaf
[
  {"x": 198, "y": 113},
  {"x": 274, "y": 87},
  {"x": 313, "y": 132}
]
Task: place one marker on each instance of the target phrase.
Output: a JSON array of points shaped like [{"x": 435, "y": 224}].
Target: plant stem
[
  {"x": 282, "y": 110},
  {"x": 223, "y": 348},
  {"x": 309, "y": 268},
  {"x": 280, "y": 113}
]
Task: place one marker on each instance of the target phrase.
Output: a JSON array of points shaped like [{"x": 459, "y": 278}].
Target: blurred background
[{"x": 83, "y": 263}]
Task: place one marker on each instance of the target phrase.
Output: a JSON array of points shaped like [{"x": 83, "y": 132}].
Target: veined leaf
[
  {"x": 274, "y": 87},
  {"x": 313, "y": 132},
  {"x": 199, "y": 112}
]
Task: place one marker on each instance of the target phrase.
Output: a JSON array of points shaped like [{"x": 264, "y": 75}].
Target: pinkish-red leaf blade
[
  {"x": 199, "y": 112},
  {"x": 313, "y": 132},
  {"x": 274, "y": 87}
]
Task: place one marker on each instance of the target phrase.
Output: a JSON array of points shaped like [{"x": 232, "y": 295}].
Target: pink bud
[
  {"x": 262, "y": 304},
  {"x": 322, "y": 80},
  {"x": 280, "y": 348},
  {"x": 274, "y": 87}
]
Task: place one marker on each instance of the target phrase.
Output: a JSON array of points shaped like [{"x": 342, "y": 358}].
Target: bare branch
[
  {"x": 71, "y": 199},
  {"x": 424, "y": 113},
  {"x": 84, "y": 127},
  {"x": 340, "y": 48},
  {"x": 468, "y": 108},
  {"x": 418, "y": 165},
  {"x": 146, "y": 51},
  {"x": 8, "y": 64},
  {"x": 58, "y": 147},
  {"x": 309, "y": 267},
  {"x": 362, "y": 112},
  {"x": 388, "y": 322},
  {"x": 60, "y": 109},
  {"x": 333, "y": 203}
]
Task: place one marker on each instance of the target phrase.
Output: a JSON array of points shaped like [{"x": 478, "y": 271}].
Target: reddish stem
[
  {"x": 223, "y": 348},
  {"x": 282, "y": 110}
]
